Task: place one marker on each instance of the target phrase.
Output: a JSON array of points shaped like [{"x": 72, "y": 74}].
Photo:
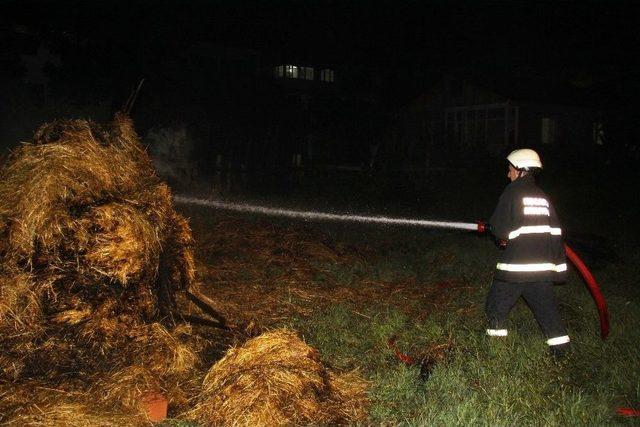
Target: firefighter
[{"x": 532, "y": 258}]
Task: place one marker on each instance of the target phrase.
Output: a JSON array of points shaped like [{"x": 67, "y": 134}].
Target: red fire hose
[
  {"x": 594, "y": 289},
  {"x": 404, "y": 358},
  {"x": 628, "y": 412}
]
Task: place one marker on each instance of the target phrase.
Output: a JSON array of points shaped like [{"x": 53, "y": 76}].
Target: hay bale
[
  {"x": 92, "y": 257},
  {"x": 277, "y": 379},
  {"x": 88, "y": 229}
]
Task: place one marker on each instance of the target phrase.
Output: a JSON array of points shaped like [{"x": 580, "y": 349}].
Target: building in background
[{"x": 462, "y": 121}]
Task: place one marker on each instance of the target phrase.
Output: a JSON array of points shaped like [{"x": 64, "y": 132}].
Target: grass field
[{"x": 349, "y": 290}]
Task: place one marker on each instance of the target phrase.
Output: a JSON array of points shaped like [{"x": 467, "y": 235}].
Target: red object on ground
[
  {"x": 155, "y": 405},
  {"x": 404, "y": 358},
  {"x": 594, "y": 289},
  {"x": 628, "y": 412}
]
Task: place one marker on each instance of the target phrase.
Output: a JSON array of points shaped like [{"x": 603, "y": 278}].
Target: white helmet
[{"x": 524, "y": 159}]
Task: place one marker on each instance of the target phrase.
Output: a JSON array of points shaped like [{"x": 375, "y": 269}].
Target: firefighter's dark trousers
[{"x": 540, "y": 298}]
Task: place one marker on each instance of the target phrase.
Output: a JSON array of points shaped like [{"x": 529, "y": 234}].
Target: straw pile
[
  {"x": 92, "y": 255},
  {"x": 277, "y": 379}
]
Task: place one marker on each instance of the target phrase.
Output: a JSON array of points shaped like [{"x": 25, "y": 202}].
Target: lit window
[
  {"x": 326, "y": 75},
  {"x": 306, "y": 73},
  {"x": 291, "y": 71},
  {"x": 598, "y": 133},
  {"x": 294, "y": 72}
]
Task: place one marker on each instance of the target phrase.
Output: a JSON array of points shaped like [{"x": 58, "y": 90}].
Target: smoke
[{"x": 171, "y": 150}]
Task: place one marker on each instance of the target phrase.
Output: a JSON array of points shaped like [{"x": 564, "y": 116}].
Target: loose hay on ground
[
  {"x": 40, "y": 403},
  {"x": 277, "y": 379},
  {"x": 267, "y": 273}
]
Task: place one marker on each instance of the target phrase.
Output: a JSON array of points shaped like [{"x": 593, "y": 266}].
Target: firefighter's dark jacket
[{"x": 526, "y": 220}]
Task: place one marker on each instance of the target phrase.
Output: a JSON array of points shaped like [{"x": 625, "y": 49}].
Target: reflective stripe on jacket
[{"x": 526, "y": 219}]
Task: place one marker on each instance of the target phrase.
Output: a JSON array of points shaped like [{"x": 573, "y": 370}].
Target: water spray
[
  {"x": 324, "y": 216},
  {"x": 479, "y": 227}
]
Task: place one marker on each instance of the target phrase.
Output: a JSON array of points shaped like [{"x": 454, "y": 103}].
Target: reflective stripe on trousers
[
  {"x": 497, "y": 332},
  {"x": 547, "y": 266},
  {"x": 558, "y": 340}
]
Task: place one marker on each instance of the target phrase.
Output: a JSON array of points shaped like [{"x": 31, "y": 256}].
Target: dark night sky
[
  {"x": 595, "y": 41},
  {"x": 106, "y": 47},
  {"x": 596, "y": 33}
]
